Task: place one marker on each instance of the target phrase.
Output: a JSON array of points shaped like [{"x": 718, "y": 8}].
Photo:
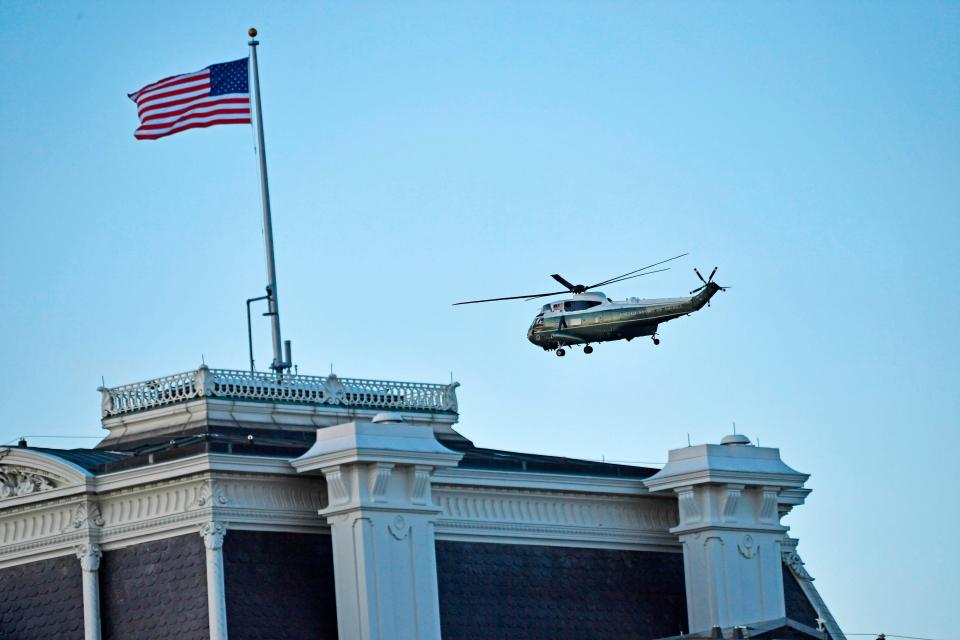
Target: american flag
[{"x": 219, "y": 94}]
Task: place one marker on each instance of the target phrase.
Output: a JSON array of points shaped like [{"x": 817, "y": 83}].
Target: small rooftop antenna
[
  {"x": 688, "y": 439},
  {"x": 734, "y": 427}
]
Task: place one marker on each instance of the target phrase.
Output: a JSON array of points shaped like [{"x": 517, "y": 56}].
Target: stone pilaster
[
  {"x": 381, "y": 515},
  {"x": 89, "y": 556},
  {"x": 728, "y": 497},
  {"x": 213, "y": 533}
]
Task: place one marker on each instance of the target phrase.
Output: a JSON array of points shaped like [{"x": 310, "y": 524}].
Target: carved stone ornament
[
  {"x": 213, "y": 533},
  {"x": 203, "y": 381},
  {"x": 17, "y": 481},
  {"x": 746, "y": 547},
  {"x": 106, "y": 402},
  {"x": 333, "y": 390},
  {"x": 87, "y": 514},
  {"x": 450, "y": 397},
  {"x": 209, "y": 494},
  {"x": 398, "y": 527},
  {"x": 792, "y": 560},
  {"x": 89, "y": 556}
]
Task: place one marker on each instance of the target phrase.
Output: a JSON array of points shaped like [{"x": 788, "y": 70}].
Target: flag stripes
[{"x": 216, "y": 95}]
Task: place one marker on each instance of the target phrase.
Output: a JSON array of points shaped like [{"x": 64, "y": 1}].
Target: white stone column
[
  {"x": 381, "y": 517},
  {"x": 89, "y": 555},
  {"x": 730, "y": 529},
  {"x": 213, "y": 533}
]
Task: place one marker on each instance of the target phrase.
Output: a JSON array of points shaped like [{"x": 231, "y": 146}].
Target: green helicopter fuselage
[{"x": 592, "y": 317}]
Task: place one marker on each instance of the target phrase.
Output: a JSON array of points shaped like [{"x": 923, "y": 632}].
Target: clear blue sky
[{"x": 426, "y": 153}]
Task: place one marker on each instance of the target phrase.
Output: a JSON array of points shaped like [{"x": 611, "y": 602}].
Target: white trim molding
[
  {"x": 158, "y": 501},
  {"x": 558, "y": 518}
]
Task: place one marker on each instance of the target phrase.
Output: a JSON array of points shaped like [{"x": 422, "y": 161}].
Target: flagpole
[{"x": 279, "y": 364}]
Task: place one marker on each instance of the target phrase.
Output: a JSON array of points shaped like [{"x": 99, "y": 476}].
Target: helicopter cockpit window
[{"x": 579, "y": 305}]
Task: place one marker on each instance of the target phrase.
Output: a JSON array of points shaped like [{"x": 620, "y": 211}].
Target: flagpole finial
[{"x": 252, "y": 32}]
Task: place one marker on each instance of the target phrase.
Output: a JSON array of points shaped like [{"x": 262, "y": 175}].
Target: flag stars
[{"x": 229, "y": 77}]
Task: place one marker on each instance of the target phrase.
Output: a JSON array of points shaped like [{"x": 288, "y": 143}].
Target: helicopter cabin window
[{"x": 579, "y": 305}]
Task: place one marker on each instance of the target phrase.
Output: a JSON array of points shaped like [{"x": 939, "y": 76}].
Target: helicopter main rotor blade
[
  {"x": 697, "y": 289},
  {"x": 622, "y": 278},
  {"x": 710, "y": 279},
  {"x": 563, "y": 281},
  {"x": 529, "y": 296},
  {"x": 699, "y": 276},
  {"x": 605, "y": 282}
]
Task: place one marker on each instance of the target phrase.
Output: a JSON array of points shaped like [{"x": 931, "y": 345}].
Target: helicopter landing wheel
[
  {"x": 561, "y": 352},
  {"x": 656, "y": 341},
  {"x": 588, "y": 349}
]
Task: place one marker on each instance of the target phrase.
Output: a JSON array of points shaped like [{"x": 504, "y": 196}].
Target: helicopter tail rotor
[{"x": 709, "y": 281}]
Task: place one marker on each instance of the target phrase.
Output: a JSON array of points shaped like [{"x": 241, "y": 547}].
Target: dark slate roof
[
  {"x": 798, "y": 607},
  {"x": 533, "y": 592},
  {"x": 480, "y": 458},
  {"x": 155, "y": 590},
  {"x": 42, "y": 600},
  {"x": 292, "y": 444},
  {"x": 89, "y": 459},
  {"x": 280, "y": 595}
]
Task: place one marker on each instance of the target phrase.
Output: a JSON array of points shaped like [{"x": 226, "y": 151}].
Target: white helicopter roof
[
  {"x": 651, "y": 301},
  {"x": 598, "y": 297}
]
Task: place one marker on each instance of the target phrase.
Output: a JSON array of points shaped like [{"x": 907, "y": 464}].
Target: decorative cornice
[
  {"x": 565, "y": 517},
  {"x": 134, "y": 514},
  {"x": 540, "y": 481},
  {"x": 175, "y": 497}
]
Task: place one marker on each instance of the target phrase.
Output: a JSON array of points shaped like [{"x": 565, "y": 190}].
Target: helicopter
[{"x": 591, "y": 317}]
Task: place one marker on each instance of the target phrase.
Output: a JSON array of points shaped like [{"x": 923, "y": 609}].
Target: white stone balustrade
[{"x": 300, "y": 389}]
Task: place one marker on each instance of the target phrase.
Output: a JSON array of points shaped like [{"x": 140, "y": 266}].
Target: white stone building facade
[{"x": 226, "y": 504}]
